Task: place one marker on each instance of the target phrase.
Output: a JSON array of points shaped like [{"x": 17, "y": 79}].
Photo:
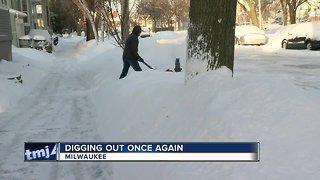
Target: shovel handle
[{"x": 147, "y": 65}]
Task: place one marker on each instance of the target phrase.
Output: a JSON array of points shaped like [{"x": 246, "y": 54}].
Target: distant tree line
[
  {"x": 104, "y": 15},
  {"x": 162, "y": 13},
  {"x": 288, "y": 8}
]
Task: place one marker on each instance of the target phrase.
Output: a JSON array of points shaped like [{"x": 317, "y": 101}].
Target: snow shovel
[{"x": 147, "y": 65}]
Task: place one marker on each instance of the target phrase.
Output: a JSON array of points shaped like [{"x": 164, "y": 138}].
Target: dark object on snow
[
  {"x": 169, "y": 70},
  {"x": 177, "y": 67},
  {"x": 18, "y": 79},
  {"x": 130, "y": 54}
]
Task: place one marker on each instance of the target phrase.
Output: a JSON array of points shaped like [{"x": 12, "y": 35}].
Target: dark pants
[{"x": 126, "y": 65}]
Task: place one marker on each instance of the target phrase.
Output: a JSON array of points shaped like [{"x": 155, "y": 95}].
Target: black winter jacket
[{"x": 131, "y": 47}]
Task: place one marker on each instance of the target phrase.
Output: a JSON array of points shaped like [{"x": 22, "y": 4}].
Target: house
[
  {"x": 23, "y": 19},
  {"x": 19, "y": 16},
  {"x": 5, "y": 35},
  {"x": 41, "y": 14}
]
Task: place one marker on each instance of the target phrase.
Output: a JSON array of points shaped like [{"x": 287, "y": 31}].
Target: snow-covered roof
[
  {"x": 26, "y": 37},
  {"x": 40, "y": 34},
  {"x": 17, "y": 13}
]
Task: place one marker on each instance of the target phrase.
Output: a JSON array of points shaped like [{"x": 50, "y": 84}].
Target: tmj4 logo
[{"x": 40, "y": 153}]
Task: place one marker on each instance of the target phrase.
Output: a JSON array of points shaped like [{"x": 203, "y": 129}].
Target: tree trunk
[
  {"x": 284, "y": 6},
  {"x": 292, "y": 12},
  {"x": 125, "y": 23},
  {"x": 179, "y": 24},
  {"x": 97, "y": 21},
  {"x": 103, "y": 28},
  {"x": 86, "y": 8},
  {"x": 210, "y": 38},
  {"x": 154, "y": 25},
  {"x": 252, "y": 13},
  {"x": 293, "y": 16},
  {"x": 90, "y": 33}
]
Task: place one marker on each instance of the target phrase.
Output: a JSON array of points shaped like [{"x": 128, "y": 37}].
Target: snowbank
[
  {"x": 157, "y": 106},
  {"x": 31, "y": 64},
  {"x": 254, "y": 105}
]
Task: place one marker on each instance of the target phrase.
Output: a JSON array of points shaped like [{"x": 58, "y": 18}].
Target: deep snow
[{"x": 75, "y": 95}]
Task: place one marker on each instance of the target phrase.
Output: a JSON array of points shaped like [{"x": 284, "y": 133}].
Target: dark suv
[{"x": 303, "y": 36}]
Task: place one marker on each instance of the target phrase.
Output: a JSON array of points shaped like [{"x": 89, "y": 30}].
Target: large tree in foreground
[{"x": 210, "y": 35}]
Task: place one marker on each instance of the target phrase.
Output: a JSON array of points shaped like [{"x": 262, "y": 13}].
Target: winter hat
[{"x": 136, "y": 30}]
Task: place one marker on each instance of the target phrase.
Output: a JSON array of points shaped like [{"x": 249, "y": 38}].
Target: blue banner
[
  {"x": 40, "y": 151},
  {"x": 138, "y": 147},
  {"x": 142, "y": 151}
]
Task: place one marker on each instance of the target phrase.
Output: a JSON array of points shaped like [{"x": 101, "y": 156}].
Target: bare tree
[
  {"x": 155, "y": 9},
  {"x": 180, "y": 9},
  {"x": 293, "y": 6},
  {"x": 290, "y": 7},
  {"x": 163, "y": 12},
  {"x": 109, "y": 10},
  {"x": 167, "y": 13},
  {"x": 112, "y": 11},
  {"x": 284, "y": 6},
  {"x": 83, "y": 6},
  {"x": 251, "y": 7},
  {"x": 210, "y": 35},
  {"x": 64, "y": 17},
  {"x": 272, "y": 9}
]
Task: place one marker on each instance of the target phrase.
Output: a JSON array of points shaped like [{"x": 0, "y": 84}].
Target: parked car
[
  {"x": 301, "y": 36},
  {"x": 145, "y": 32},
  {"x": 249, "y": 35},
  {"x": 278, "y": 20},
  {"x": 39, "y": 39}
]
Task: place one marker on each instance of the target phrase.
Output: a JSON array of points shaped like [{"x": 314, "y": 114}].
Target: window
[
  {"x": 24, "y": 9},
  {"x": 25, "y": 19},
  {"x": 4, "y": 3},
  {"x": 24, "y": 6},
  {"x": 39, "y": 9},
  {"x": 18, "y": 5}
]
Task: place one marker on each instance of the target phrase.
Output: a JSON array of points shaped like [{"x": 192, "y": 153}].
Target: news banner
[{"x": 142, "y": 152}]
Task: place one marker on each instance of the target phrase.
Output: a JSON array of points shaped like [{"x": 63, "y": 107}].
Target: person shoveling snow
[{"x": 130, "y": 54}]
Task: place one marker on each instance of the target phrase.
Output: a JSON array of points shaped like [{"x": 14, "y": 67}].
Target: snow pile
[
  {"x": 31, "y": 64},
  {"x": 83, "y": 46},
  {"x": 167, "y": 38},
  {"x": 157, "y": 106},
  {"x": 315, "y": 31}
]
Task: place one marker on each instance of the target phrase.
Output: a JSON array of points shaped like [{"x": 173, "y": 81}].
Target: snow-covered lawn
[{"x": 75, "y": 95}]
